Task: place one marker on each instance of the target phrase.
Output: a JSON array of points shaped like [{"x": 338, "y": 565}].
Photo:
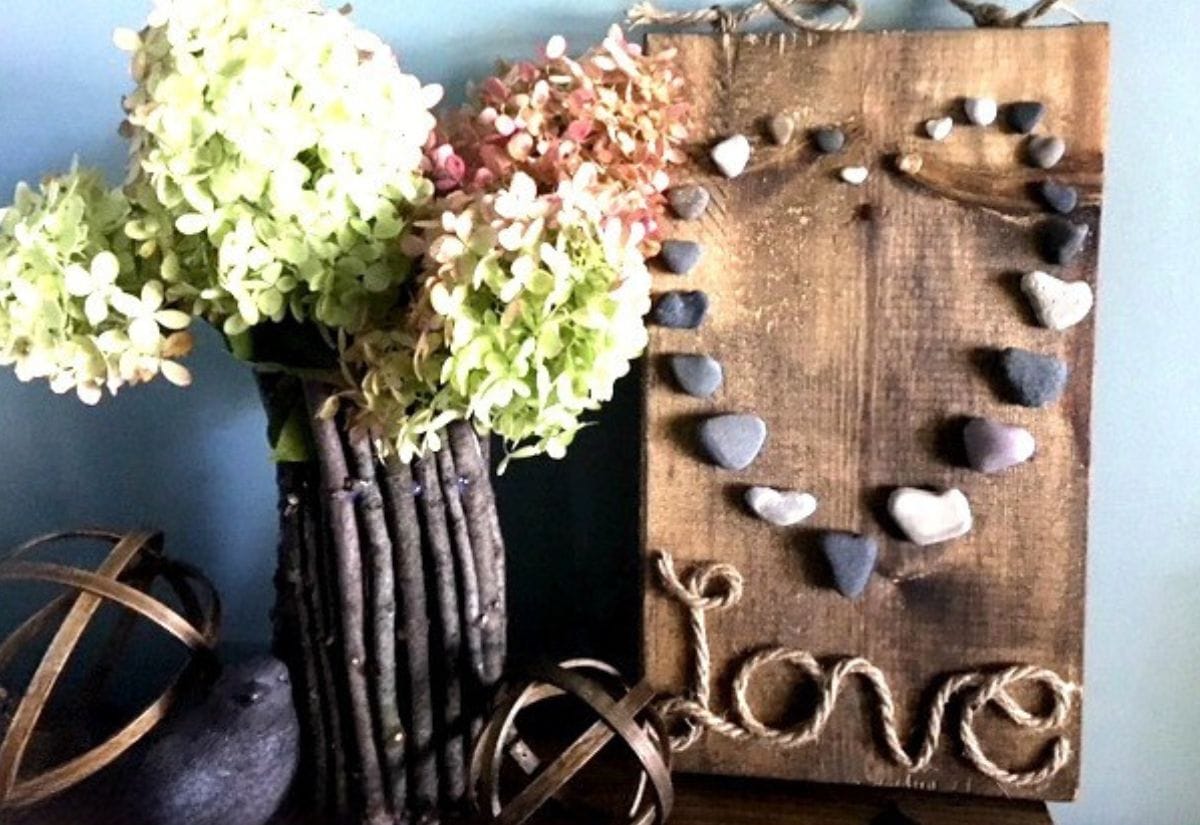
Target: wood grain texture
[{"x": 856, "y": 321}]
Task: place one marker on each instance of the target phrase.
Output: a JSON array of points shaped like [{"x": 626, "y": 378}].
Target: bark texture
[{"x": 390, "y": 615}]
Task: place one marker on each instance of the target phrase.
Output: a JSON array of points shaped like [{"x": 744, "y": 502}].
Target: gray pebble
[
  {"x": 1045, "y": 151},
  {"x": 1061, "y": 240},
  {"x": 689, "y": 202},
  {"x": 680, "y": 310},
  {"x": 1032, "y": 379},
  {"x": 733, "y": 441},
  {"x": 697, "y": 375},
  {"x": 829, "y": 140},
  {"x": 851, "y": 559},
  {"x": 681, "y": 257},
  {"x": 1023, "y": 117},
  {"x": 1058, "y": 196},
  {"x": 781, "y": 128}
]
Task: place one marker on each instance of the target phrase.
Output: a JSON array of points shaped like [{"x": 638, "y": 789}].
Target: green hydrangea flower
[
  {"x": 278, "y": 152},
  {"x": 530, "y": 309},
  {"x": 76, "y": 304}
]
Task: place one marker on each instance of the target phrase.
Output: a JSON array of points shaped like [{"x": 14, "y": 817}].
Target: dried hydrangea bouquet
[{"x": 403, "y": 289}]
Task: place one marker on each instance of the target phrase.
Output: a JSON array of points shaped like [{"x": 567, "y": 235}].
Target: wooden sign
[{"x": 861, "y": 323}]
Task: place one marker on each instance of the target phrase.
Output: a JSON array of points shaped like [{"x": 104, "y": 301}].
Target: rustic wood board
[{"x": 855, "y": 322}]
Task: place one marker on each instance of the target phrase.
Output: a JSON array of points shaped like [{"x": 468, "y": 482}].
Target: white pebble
[
  {"x": 929, "y": 518},
  {"x": 981, "y": 111},
  {"x": 939, "y": 128},
  {"x": 855, "y": 175},
  {"x": 1058, "y": 304},
  {"x": 731, "y": 155},
  {"x": 783, "y": 508}
]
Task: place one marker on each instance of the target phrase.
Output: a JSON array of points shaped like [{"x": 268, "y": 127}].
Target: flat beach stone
[
  {"x": 855, "y": 175},
  {"x": 689, "y": 202},
  {"x": 1058, "y": 196},
  {"x": 680, "y": 309},
  {"x": 697, "y": 375},
  {"x": 851, "y": 559},
  {"x": 1058, "y": 304},
  {"x": 993, "y": 447},
  {"x": 829, "y": 140},
  {"x": 781, "y": 128},
  {"x": 783, "y": 508},
  {"x": 939, "y": 128},
  {"x": 930, "y": 518},
  {"x": 1045, "y": 151},
  {"x": 1024, "y": 116},
  {"x": 1061, "y": 240},
  {"x": 981, "y": 111},
  {"x": 680, "y": 257},
  {"x": 733, "y": 441},
  {"x": 1032, "y": 379},
  {"x": 732, "y": 155}
]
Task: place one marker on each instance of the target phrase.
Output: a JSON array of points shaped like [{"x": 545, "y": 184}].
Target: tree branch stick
[
  {"x": 472, "y": 613},
  {"x": 340, "y": 505},
  {"x": 469, "y": 460},
  {"x": 378, "y": 547},
  {"x": 438, "y": 544},
  {"x": 414, "y": 627}
]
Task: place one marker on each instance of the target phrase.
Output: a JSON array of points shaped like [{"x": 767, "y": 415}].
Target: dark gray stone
[
  {"x": 680, "y": 309},
  {"x": 689, "y": 202},
  {"x": 733, "y": 441},
  {"x": 852, "y": 560},
  {"x": 1024, "y": 116},
  {"x": 829, "y": 140},
  {"x": 228, "y": 761},
  {"x": 697, "y": 375},
  {"x": 1061, "y": 240},
  {"x": 1045, "y": 151},
  {"x": 1032, "y": 379},
  {"x": 1058, "y": 196},
  {"x": 681, "y": 257}
]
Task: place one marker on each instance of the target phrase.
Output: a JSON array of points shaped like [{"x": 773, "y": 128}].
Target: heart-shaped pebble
[
  {"x": 855, "y": 175},
  {"x": 1045, "y": 151},
  {"x": 939, "y": 128},
  {"x": 680, "y": 310},
  {"x": 1058, "y": 196},
  {"x": 829, "y": 140},
  {"x": 851, "y": 559},
  {"x": 680, "y": 257},
  {"x": 731, "y": 155},
  {"x": 981, "y": 111},
  {"x": 1024, "y": 116},
  {"x": 993, "y": 447},
  {"x": 930, "y": 518},
  {"x": 1061, "y": 240},
  {"x": 1058, "y": 304},
  {"x": 733, "y": 441},
  {"x": 689, "y": 202},
  {"x": 698, "y": 375},
  {"x": 783, "y": 508},
  {"x": 781, "y": 128},
  {"x": 1032, "y": 379}
]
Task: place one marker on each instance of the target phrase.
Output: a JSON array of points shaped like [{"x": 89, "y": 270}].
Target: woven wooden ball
[
  {"x": 619, "y": 712},
  {"x": 124, "y": 578}
]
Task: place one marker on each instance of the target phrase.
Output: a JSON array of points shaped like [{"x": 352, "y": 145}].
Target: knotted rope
[
  {"x": 991, "y": 15},
  {"x": 717, "y": 587},
  {"x": 729, "y": 20}
]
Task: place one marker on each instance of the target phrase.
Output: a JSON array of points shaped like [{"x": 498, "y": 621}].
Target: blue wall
[{"x": 194, "y": 462}]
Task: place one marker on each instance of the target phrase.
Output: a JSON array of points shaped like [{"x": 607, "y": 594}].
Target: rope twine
[
  {"x": 717, "y": 587},
  {"x": 729, "y": 20}
]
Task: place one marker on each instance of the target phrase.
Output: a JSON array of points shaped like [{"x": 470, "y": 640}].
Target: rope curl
[
  {"x": 728, "y": 21},
  {"x": 715, "y": 587}
]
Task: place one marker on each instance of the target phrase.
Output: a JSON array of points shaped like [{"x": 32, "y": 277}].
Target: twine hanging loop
[
  {"x": 995, "y": 16},
  {"x": 728, "y": 20}
]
